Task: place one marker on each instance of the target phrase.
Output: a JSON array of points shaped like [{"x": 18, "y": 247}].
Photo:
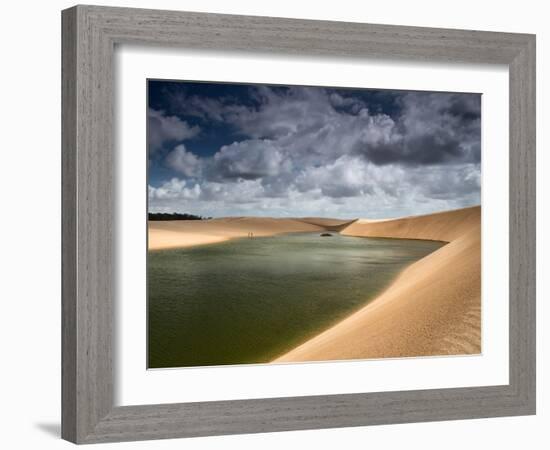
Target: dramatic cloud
[
  {"x": 432, "y": 128},
  {"x": 163, "y": 128},
  {"x": 346, "y": 177},
  {"x": 312, "y": 151},
  {"x": 184, "y": 162},
  {"x": 250, "y": 159},
  {"x": 175, "y": 189}
]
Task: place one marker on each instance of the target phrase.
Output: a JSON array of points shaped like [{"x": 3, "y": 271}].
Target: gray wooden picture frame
[{"x": 90, "y": 34}]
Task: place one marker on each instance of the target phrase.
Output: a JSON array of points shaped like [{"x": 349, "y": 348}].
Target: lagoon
[{"x": 247, "y": 301}]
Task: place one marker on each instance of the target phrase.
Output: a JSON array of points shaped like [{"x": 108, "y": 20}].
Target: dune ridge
[
  {"x": 327, "y": 223},
  {"x": 433, "y": 307}
]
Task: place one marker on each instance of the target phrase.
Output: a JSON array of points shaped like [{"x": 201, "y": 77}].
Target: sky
[{"x": 219, "y": 150}]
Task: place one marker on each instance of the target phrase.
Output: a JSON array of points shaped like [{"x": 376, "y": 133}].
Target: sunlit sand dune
[
  {"x": 187, "y": 233},
  {"x": 432, "y": 308}
]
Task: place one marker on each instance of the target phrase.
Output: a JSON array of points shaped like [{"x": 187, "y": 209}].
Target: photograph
[{"x": 293, "y": 224}]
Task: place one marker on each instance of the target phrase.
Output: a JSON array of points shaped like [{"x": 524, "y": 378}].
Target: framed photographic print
[{"x": 267, "y": 222}]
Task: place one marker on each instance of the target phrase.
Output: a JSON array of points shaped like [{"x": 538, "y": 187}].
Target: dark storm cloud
[
  {"x": 427, "y": 128},
  {"x": 432, "y": 128}
]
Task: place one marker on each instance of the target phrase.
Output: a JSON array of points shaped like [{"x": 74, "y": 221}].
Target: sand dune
[
  {"x": 327, "y": 223},
  {"x": 444, "y": 226},
  {"x": 432, "y": 308},
  {"x": 186, "y": 233}
]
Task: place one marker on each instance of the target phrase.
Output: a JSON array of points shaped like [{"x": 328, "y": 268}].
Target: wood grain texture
[
  {"x": 68, "y": 226},
  {"x": 89, "y": 36},
  {"x": 523, "y": 225}
]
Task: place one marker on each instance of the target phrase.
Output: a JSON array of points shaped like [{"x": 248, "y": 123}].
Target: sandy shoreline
[
  {"x": 433, "y": 307},
  {"x": 189, "y": 233}
]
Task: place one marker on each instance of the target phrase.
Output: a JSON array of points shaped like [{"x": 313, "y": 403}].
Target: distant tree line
[{"x": 175, "y": 216}]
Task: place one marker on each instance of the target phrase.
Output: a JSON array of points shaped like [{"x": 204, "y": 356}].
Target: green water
[{"x": 250, "y": 300}]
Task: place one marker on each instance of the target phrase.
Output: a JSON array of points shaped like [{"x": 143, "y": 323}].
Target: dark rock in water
[{"x": 325, "y": 234}]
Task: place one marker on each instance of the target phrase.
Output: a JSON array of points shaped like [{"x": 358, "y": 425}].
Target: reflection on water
[{"x": 250, "y": 300}]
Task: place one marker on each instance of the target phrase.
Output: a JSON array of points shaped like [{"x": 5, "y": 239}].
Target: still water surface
[{"x": 251, "y": 300}]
